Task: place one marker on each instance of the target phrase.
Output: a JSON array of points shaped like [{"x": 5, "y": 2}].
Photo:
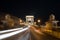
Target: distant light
[
  {"x": 38, "y": 20},
  {"x": 20, "y": 20}
]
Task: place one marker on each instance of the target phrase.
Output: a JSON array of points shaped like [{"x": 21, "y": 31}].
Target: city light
[
  {"x": 21, "y": 20},
  {"x": 38, "y": 21}
]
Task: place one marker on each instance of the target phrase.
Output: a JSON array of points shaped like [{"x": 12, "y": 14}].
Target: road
[
  {"x": 39, "y": 35},
  {"x": 31, "y": 34}
]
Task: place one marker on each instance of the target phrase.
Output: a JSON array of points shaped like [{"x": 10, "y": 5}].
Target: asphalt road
[{"x": 31, "y": 34}]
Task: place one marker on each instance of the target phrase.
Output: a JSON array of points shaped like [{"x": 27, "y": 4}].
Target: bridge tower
[{"x": 29, "y": 20}]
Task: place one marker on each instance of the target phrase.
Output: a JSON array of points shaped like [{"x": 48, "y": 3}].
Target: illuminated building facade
[{"x": 29, "y": 20}]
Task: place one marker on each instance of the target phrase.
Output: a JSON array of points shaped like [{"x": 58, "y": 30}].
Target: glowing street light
[
  {"x": 38, "y": 21},
  {"x": 20, "y": 20}
]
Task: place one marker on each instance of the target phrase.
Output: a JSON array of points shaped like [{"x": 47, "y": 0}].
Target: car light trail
[
  {"x": 10, "y": 30},
  {"x": 12, "y": 33}
]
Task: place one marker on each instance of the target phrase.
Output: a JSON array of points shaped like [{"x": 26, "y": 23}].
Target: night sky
[{"x": 39, "y": 8}]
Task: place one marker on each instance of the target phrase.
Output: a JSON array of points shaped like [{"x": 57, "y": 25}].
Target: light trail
[
  {"x": 10, "y": 30},
  {"x": 12, "y": 33}
]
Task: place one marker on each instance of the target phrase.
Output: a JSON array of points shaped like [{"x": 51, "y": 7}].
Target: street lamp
[
  {"x": 38, "y": 22},
  {"x": 20, "y": 20}
]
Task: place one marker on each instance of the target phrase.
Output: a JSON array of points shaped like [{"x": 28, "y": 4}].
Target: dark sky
[{"x": 38, "y": 8}]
